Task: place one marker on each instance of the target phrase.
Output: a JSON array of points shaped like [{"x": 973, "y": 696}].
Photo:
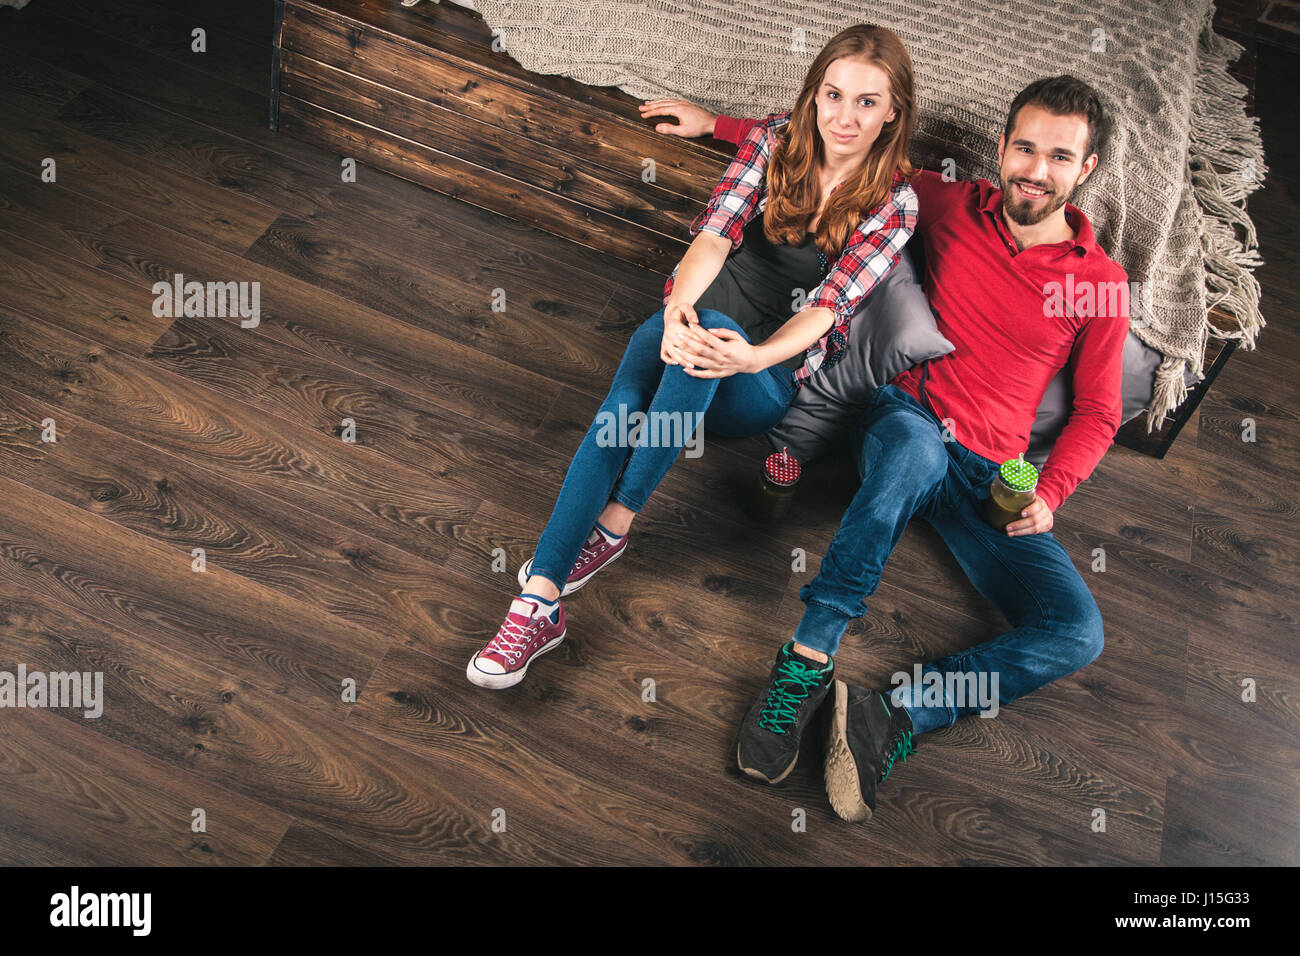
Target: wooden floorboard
[{"x": 379, "y": 561}]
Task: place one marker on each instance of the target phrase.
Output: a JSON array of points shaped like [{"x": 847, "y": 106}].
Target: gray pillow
[
  {"x": 893, "y": 330},
  {"x": 1140, "y": 364}
]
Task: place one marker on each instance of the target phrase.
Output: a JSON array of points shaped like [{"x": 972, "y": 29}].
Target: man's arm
[
  {"x": 733, "y": 129},
  {"x": 1097, "y": 362}
]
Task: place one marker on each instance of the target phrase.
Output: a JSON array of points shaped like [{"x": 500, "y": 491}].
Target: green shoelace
[
  {"x": 788, "y": 691},
  {"x": 902, "y": 748}
]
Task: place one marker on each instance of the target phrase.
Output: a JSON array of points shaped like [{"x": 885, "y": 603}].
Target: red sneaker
[
  {"x": 596, "y": 553},
  {"x": 527, "y": 633}
]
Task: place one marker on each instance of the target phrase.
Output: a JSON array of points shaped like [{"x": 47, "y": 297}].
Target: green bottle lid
[{"x": 1019, "y": 475}]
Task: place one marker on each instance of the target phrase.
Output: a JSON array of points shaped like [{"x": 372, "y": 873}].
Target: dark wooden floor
[{"x": 330, "y": 561}]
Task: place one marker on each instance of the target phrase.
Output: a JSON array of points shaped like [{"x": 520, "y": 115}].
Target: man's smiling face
[{"x": 1042, "y": 163}]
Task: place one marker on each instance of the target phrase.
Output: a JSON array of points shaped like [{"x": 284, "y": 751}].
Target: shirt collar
[{"x": 1084, "y": 240}]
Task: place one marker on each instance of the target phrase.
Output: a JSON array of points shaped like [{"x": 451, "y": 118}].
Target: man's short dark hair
[{"x": 1065, "y": 95}]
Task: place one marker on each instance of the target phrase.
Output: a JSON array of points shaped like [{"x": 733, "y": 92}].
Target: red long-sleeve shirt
[{"x": 1015, "y": 319}]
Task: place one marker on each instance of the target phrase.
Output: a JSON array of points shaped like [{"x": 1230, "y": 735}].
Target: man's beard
[{"x": 1024, "y": 213}]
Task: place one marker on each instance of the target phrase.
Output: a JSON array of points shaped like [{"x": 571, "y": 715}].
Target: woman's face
[{"x": 852, "y": 104}]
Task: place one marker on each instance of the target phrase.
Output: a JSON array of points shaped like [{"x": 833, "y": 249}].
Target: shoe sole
[
  {"x": 759, "y": 775},
  {"x": 526, "y": 568},
  {"x": 503, "y": 681},
  {"x": 841, "y": 770}
]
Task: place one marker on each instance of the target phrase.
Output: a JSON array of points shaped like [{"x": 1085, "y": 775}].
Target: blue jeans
[
  {"x": 735, "y": 406},
  {"x": 908, "y": 469}
]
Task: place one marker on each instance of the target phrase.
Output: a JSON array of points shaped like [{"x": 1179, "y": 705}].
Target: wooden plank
[
  {"x": 469, "y": 183},
  {"x": 345, "y": 484},
  {"x": 586, "y": 782},
  {"x": 248, "y": 19},
  {"x": 601, "y": 140},
  {"x": 131, "y": 183},
  {"x": 75, "y": 796},
  {"x": 166, "y": 84},
  {"x": 46, "y": 88},
  {"x": 356, "y": 577},
  {"x": 293, "y": 313},
  {"x": 408, "y": 213},
  {"x": 277, "y": 44},
  {"x": 1220, "y": 820},
  {"x": 450, "y": 451},
  {"x": 267, "y": 748},
  {"x": 454, "y": 34},
  {"x": 1137, "y": 499},
  {"x": 75, "y": 557},
  {"x": 21, "y": 429},
  {"x": 305, "y": 845},
  {"x": 104, "y": 309},
  {"x": 167, "y": 32},
  {"x": 548, "y": 324},
  {"x": 514, "y": 158}
]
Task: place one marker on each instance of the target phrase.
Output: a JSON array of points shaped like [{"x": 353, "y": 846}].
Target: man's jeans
[
  {"x": 733, "y": 407},
  {"x": 908, "y": 469}
]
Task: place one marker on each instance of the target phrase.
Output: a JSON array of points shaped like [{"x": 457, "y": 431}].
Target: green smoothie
[{"x": 1011, "y": 492}]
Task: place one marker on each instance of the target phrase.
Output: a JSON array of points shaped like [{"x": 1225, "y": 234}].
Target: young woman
[{"x": 817, "y": 199}]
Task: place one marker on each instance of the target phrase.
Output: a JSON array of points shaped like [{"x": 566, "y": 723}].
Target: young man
[{"x": 931, "y": 441}]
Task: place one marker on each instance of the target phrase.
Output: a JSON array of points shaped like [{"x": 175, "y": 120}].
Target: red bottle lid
[{"x": 782, "y": 468}]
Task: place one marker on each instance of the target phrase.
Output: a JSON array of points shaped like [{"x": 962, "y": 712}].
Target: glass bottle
[
  {"x": 775, "y": 492},
  {"x": 1011, "y": 492}
]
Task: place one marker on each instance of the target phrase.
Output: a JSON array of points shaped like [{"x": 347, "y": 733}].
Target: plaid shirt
[{"x": 872, "y": 249}]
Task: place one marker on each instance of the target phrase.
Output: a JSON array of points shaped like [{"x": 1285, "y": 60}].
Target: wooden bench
[{"x": 420, "y": 93}]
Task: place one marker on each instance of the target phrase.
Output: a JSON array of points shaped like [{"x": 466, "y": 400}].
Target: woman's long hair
[{"x": 793, "y": 184}]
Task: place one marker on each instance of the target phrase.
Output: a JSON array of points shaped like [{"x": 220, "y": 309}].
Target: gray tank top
[{"x": 756, "y": 284}]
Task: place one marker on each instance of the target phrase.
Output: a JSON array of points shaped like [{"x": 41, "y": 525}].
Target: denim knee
[
  {"x": 906, "y": 443},
  {"x": 654, "y": 322},
  {"x": 713, "y": 319},
  {"x": 1081, "y": 625}
]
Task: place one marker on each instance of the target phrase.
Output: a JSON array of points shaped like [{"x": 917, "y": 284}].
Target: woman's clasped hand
[{"x": 703, "y": 353}]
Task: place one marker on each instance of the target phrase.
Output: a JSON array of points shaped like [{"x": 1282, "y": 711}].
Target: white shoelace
[{"x": 513, "y": 650}]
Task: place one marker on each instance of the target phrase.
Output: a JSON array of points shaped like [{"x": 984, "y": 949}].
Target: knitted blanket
[{"x": 1167, "y": 201}]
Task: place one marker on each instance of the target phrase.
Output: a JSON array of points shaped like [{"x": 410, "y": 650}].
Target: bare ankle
[
  {"x": 616, "y": 518},
  {"x": 544, "y": 588},
  {"x": 811, "y": 654}
]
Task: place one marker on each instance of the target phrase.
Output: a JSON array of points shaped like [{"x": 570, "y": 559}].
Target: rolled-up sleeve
[
  {"x": 871, "y": 252},
  {"x": 739, "y": 192}
]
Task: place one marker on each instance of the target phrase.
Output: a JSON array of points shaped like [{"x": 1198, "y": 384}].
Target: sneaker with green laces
[
  {"x": 865, "y": 734},
  {"x": 768, "y": 747}
]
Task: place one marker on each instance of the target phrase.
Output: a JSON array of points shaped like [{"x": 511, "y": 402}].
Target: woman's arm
[
  {"x": 699, "y": 267},
  {"x": 734, "y": 202},
  {"x": 870, "y": 255},
  {"x": 800, "y": 331},
  {"x": 717, "y": 353}
]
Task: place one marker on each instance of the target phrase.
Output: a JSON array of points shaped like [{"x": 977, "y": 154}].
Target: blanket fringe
[{"x": 1226, "y": 160}]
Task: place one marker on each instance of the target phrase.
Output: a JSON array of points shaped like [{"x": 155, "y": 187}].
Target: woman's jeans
[
  {"x": 627, "y": 464},
  {"x": 907, "y": 468}
]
